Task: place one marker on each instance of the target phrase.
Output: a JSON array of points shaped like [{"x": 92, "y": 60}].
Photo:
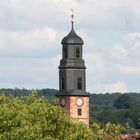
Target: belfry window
[
  {"x": 79, "y": 112},
  {"x": 77, "y": 52},
  {"x": 62, "y": 83},
  {"x": 79, "y": 83}
]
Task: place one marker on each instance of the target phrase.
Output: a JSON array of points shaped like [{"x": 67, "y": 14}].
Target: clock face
[
  {"x": 79, "y": 101},
  {"x": 63, "y": 101}
]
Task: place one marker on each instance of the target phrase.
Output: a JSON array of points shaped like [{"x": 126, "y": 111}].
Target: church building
[{"x": 72, "y": 93}]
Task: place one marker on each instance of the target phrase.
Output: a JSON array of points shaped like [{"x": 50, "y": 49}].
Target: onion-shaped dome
[{"x": 72, "y": 39}]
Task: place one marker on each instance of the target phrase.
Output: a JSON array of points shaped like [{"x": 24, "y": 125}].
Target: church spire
[
  {"x": 72, "y": 93},
  {"x": 72, "y": 38}
]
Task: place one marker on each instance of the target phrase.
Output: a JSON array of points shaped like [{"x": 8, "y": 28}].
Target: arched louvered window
[
  {"x": 77, "y": 52},
  {"x": 79, "y": 83},
  {"x": 62, "y": 83}
]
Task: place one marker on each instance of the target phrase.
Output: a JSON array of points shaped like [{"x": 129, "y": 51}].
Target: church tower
[{"x": 72, "y": 93}]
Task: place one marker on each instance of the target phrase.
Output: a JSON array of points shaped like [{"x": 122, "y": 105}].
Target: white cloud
[
  {"x": 97, "y": 14},
  {"x": 31, "y": 32},
  {"x": 28, "y": 58},
  {"x": 120, "y": 50},
  {"x": 120, "y": 62},
  {"x": 118, "y": 86},
  {"x": 113, "y": 14},
  {"x": 115, "y": 87},
  {"x": 94, "y": 62},
  {"x": 29, "y": 73},
  {"x": 126, "y": 54},
  {"x": 28, "y": 43},
  {"x": 26, "y": 15},
  {"x": 132, "y": 40},
  {"x": 129, "y": 70}
]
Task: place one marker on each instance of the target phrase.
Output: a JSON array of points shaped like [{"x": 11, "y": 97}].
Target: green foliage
[
  {"x": 34, "y": 118},
  {"x": 116, "y": 108},
  {"x": 49, "y": 93},
  {"x": 123, "y": 102},
  {"x": 108, "y": 132},
  {"x": 114, "y": 130},
  {"x": 98, "y": 131}
]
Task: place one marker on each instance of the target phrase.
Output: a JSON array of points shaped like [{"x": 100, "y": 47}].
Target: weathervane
[{"x": 72, "y": 16}]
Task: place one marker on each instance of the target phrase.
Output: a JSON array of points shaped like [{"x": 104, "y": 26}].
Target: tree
[
  {"x": 123, "y": 102},
  {"x": 108, "y": 132},
  {"x": 113, "y": 131},
  {"x": 34, "y": 118}
]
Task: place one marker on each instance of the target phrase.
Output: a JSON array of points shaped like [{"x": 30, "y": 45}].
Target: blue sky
[{"x": 30, "y": 42}]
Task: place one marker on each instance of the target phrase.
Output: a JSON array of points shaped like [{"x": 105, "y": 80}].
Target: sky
[{"x": 30, "y": 42}]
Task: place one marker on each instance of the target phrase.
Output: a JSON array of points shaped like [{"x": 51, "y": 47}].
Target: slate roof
[
  {"x": 72, "y": 93},
  {"x": 72, "y": 38}
]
